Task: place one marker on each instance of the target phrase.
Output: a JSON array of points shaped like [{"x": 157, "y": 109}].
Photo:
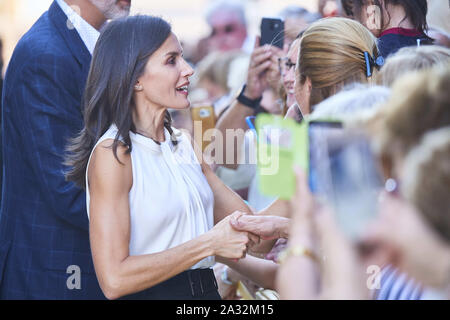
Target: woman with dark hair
[
  {"x": 397, "y": 23},
  {"x": 151, "y": 202}
]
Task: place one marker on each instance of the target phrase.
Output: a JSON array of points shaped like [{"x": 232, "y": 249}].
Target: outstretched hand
[{"x": 266, "y": 227}]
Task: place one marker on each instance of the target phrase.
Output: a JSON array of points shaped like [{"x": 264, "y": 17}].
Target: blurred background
[{"x": 186, "y": 17}]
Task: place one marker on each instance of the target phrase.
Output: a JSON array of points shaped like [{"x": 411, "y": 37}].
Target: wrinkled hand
[
  {"x": 230, "y": 243},
  {"x": 255, "y": 238},
  {"x": 266, "y": 227}
]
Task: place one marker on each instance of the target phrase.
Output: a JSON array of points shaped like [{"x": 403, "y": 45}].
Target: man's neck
[
  {"x": 396, "y": 18},
  {"x": 88, "y": 11}
]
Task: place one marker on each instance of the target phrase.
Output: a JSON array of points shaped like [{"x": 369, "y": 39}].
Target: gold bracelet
[{"x": 296, "y": 251}]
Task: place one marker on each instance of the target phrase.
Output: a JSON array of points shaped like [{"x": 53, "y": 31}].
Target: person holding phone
[
  {"x": 152, "y": 203},
  {"x": 411, "y": 231},
  {"x": 263, "y": 75},
  {"x": 331, "y": 55},
  {"x": 345, "y": 106}
]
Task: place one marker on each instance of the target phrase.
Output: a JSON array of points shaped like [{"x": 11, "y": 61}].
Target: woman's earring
[{"x": 138, "y": 87}]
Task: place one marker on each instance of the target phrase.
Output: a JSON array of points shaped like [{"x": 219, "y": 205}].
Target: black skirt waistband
[{"x": 196, "y": 284}]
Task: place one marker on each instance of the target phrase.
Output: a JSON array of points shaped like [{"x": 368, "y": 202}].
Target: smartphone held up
[{"x": 272, "y": 32}]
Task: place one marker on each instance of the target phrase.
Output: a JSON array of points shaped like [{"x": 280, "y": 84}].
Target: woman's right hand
[{"x": 227, "y": 242}]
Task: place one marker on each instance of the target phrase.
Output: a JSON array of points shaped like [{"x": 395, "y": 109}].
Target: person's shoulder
[
  {"x": 40, "y": 35},
  {"x": 108, "y": 171},
  {"x": 108, "y": 138},
  {"x": 42, "y": 41},
  {"x": 109, "y": 165}
]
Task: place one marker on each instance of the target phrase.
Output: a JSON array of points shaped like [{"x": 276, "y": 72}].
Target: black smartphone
[{"x": 272, "y": 32}]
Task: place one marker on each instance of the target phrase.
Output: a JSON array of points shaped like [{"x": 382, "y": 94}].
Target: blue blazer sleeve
[{"x": 52, "y": 116}]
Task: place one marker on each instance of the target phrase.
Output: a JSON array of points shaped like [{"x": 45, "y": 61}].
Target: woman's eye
[{"x": 171, "y": 61}]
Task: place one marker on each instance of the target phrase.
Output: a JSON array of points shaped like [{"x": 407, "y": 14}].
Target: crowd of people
[{"x": 106, "y": 192}]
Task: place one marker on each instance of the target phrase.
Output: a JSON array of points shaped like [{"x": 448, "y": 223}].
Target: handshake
[{"x": 240, "y": 232}]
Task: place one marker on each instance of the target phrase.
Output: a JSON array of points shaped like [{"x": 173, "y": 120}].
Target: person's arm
[
  {"x": 260, "y": 271},
  {"x": 226, "y": 200},
  {"x": 279, "y": 208},
  {"x": 299, "y": 274},
  {"x": 233, "y": 120},
  {"x": 119, "y": 273},
  {"x": 267, "y": 227},
  {"x": 47, "y": 89},
  {"x": 232, "y": 126}
]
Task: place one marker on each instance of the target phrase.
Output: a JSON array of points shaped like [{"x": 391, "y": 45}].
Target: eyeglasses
[
  {"x": 285, "y": 65},
  {"x": 227, "y": 29}
]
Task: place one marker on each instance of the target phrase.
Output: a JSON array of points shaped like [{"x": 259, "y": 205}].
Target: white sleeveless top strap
[{"x": 170, "y": 200}]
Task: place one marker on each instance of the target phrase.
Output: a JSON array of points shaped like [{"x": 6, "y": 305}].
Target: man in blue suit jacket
[{"x": 44, "y": 239}]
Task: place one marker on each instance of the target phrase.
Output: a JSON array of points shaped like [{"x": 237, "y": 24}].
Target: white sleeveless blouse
[{"x": 171, "y": 201}]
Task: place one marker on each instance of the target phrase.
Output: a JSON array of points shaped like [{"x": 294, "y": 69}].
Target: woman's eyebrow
[{"x": 174, "y": 53}]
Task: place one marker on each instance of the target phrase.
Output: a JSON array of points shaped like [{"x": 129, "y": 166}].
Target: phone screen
[
  {"x": 319, "y": 132},
  {"x": 272, "y": 32},
  {"x": 345, "y": 174}
]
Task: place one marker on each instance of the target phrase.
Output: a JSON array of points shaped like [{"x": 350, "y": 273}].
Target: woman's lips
[{"x": 290, "y": 89}]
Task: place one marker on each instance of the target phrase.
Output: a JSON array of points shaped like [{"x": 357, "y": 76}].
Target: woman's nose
[
  {"x": 288, "y": 76},
  {"x": 188, "y": 71}
]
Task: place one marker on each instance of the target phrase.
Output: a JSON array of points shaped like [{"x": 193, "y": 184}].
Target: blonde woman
[
  {"x": 404, "y": 236},
  {"x": 333, "y": 53}
]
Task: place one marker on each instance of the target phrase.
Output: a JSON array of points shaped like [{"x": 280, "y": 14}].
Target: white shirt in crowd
[{"x": 87, "y": 33}]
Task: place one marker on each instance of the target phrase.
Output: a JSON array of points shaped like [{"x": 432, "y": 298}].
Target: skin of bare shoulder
[
  {"x": 109, "y": 186},
  {"x": 104, "y": 166}
]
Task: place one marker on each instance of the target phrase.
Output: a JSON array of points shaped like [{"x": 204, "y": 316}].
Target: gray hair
[
  {"x": 226, "y": 6},
  {"x": 298, "y": 12},
  {"x": 412, "y": 59},
  {"x": 427, "y": 182},
  {"x": 355, "y": 103}
]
